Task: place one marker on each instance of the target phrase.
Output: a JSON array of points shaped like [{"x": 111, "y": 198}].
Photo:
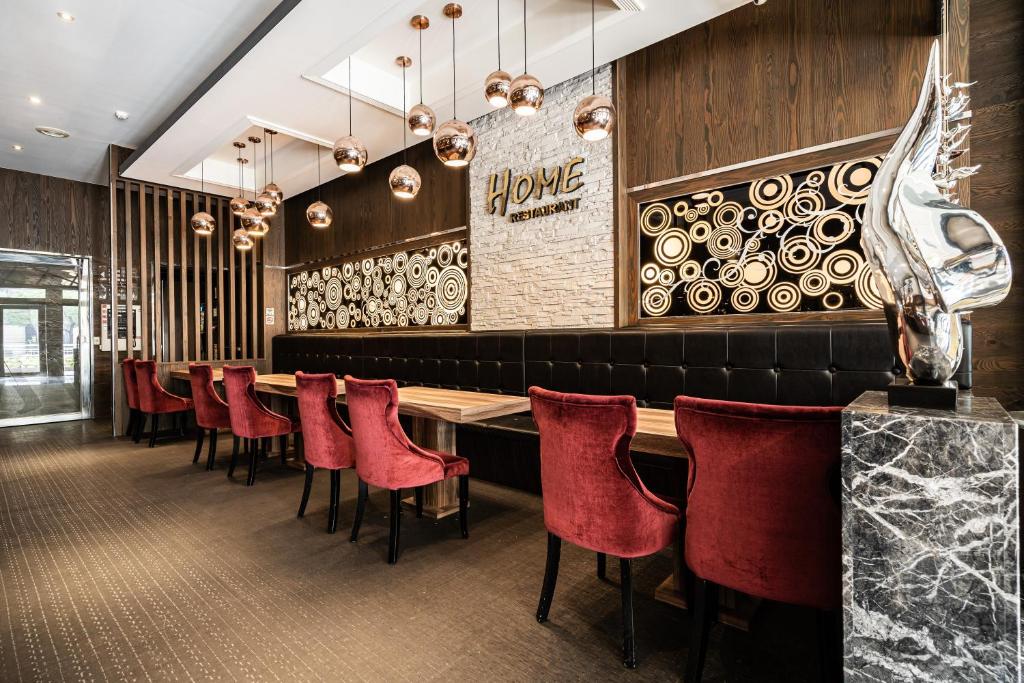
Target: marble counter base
[{"x": 930, "y": 543}]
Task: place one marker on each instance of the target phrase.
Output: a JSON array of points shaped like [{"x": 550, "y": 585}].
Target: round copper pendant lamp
[
  {"x": 240, "y": 238},
  {"x": 318, "y": 214},
  {"x": 421, "y": 118},
  {"x": 594, "y": 118},
  {"x": 202, "y": 222},
  {"x": 349, "y": 151},
  {"x": 525, "y": 94},
  {"x": 252, "y": 220},
  {"x": 263, "y": 203},
  {"x": 455, "y": 140},
  {"x": 404, "y": 180},
  {"x": 240, "y": 203},
  {"x": 499, "y": 82},
  {"x": 271, "y": 188}
]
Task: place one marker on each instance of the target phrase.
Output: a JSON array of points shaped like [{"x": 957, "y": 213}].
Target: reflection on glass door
[{"x": 45, "y": 319}]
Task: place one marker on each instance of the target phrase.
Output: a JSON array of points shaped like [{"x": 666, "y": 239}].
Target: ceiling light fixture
[
  {"x": 17, "y": 148},
  {"x": 66, "y": 17},
  {"x": 497, "y": 85},
  {"x": 202, "y": 222},
  {"x": 349, "y": 152},
  {"x": 454, "y": 141},
  {"x": 526, "y": 94},
  {"x": 421, "y": 118},
  {"x": 319, "y": 214},
  {"x": 239, "y": 204},
  {"x": 264, "y": 202},
  {"x": 594, "y": 118},
  {"x": 35, "y": 99},
  {"x": 404, "y": 180},
  {"x": 121, "y": 115},
  {"x": 241, "y": 240},
  {"x": 51, "y": 132},
  {"x": 272, "y": 189},
  {"x": 251, "y": 219}
]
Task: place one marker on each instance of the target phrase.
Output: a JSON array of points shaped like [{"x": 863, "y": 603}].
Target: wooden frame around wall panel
[{"x": 627, "y": 286}]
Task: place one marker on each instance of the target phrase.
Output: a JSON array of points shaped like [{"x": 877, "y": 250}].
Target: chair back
[
  {"x": 211, "y": 409},
  {"x": 147, "y": 385},
  {"x": 385, "y": 455},
  {"x": 326, "y": 439},
  {"x": 762, "y": 512},
  {"x": 592, "y": 494},
  {"x": 131, "y": 386}
]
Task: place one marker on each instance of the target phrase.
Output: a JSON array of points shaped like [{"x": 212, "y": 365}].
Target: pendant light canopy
[
  {"x": 251, "y": 219},
  {"x": 594, "y": 118},
  {"x": 499, "y": 82},
  {"x": 263, "y": 203},
  {"x": 421, "y": 118},
  {"x": 454, "y": 141},
  {"x": 202, "y": 222},
  {"x": 271, "y": 188},
  {"x": 349, "y": 152},
  {"x": 319, "y": 214},
  {"x": 525, "y": 94},
  {"x": 404, "y": 180},
  {"x": 240, "y": 203}
]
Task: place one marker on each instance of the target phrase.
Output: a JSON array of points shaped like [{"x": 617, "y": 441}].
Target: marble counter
[{"x": 931, "y": 585}]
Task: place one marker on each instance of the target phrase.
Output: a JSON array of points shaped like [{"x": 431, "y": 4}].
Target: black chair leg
[
  {"x": 332, "y": 511},
  {"x": 547, "y": 592},
  {"x": 705, "y": 608},
  {"x": 464, "y": 504},
  {"x": 155, "y": 426},
  {"x": 306, "y": 488},
  {"x": 628, "y": 638},
  {"x": 211, "y": 459},
  {"x": 234, "y": 459},
  {"x": 200, "y": 435},
  {"x": 396, "y": 525},
  {"x": 419, "y": 501},
  {"x": 283, "y": 442},
  {"x": 602, "y": 565},
  {"x": 360, "y": 506},
  {"x": 130, "y": 428},
  {"x": 255, "y": 447},
  {"x": 140, "y": 426},
  {"x": 830, "y": 649}
]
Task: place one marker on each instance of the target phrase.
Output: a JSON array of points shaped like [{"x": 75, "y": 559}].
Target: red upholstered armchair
[
  {"x": 388, "y": 459},
  {"x": 762, "y": 514},
  {"x": 327, "y": 440},
  {"x": 211, "y": 410},
  {"x": 250, "y": 419},
  {"x": 131, "y": 394},
  {"x": 592, "y": 494},
  {"x": 154, "y": 399}
]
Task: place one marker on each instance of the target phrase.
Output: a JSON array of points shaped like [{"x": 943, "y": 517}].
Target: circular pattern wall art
[
  {"x": 422, "y": 287},
  {"x": 775, "y": 245}
]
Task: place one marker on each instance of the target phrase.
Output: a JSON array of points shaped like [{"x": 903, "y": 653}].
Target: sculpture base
[{"x": 936, "y": 397}]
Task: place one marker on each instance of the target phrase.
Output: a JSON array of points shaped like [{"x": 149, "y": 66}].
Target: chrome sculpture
[{"x": 933, "y": 260}]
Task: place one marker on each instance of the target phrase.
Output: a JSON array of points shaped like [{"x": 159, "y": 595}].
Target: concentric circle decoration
[
  {"x": 329, "y": 322},
  {"x": 402, "y": 319},
  {"x": 313, "y": 315},
  {"x": 689, "y": 271},
  {"x": 783, "y": 297},
  {"x": 814, "y": 283},
  {"x": 703, "y": 296},
  {"x": 804, "y": 206},
  {"x": 771, "y": 221},
  {"x": 347, "y": 270},
  {"x": 866, "y": 287},
  {"x": 833, "y": 227},
  {"x": 400, "y": 261},
  {"x": 437, "y": 317},
  {"x": 832, "y": 301},
  {"x": 303, "y": 277},
  {"x": 649, "y": 273},
  {"x": 420, "y": 314},
  {"x": 303, "y": 324},
  {"x": 703, "y": 209},
  {"x": 798, "y": 254},
  {"x": 672, "y": 247},
  {"x": 850, "y": 183},
  {"x": 378, "y": 282},
  {"x": 655, "y": 218},
  {"x": 744, "y": 299},
  {"x": 321, "y": 286},
  {"x": 700, "y": 232},
  {"x": 815, "y": 178},
  {"x": 728, "y": 214},
  {"x": 300, "y": 304},
  {"x": 430, "y": 299},
  {"x": 314, "y": 279},
  {"x": 715, "y": 197},
  {"x": 444, "y": 255},
  {"x": 398, "y": 285},
  {"x": 667, "y": 277},
  {"x": 385, "y": 264},
  {"x": 463, "y": 259},
  {"x": 680, "y": 208},
  {"x": 656, "y": 300},
  {"x": 841, "y": 266},
  {"x": 367, "y": 266},
  {"x": 731, "y": 274},
  {"x": 452, "y": 290},
  {"x": 387, "y": 317},
  {"x": 771, "y": 193},
  {"x": 760, "y": 270},
  {"x": 341, "y": 318},
  {"x": 416, "y": 272},
  {"x": 725, "y": 241},
  {"x": 432, "y": 274}
]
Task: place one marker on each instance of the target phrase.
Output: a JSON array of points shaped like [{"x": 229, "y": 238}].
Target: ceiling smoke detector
[
  {"x": 51, "y": 132},
  {"x": 121, "y": 115},
  {"x": 66, "y": 17}
]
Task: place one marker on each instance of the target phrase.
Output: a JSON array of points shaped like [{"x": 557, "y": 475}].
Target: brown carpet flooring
[{"x": 122, "y": 563}]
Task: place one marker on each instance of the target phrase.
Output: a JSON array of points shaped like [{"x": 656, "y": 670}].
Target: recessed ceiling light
[
  {"x": 67, "y": 17},
  {"x": 52, "y": 132},
  {"x": 121, "y": 115},
  {"x": 35, "y": 99},
  {"x": 17, "y": 148}
]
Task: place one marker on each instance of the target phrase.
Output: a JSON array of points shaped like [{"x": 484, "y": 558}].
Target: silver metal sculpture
[{"x": 933, "y": 259}]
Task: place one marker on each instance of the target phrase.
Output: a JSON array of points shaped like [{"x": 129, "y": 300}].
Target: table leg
[{"x": 440, "y": 499}]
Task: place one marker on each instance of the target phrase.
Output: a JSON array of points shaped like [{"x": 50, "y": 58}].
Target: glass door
[{"x": 45, "y": 338}]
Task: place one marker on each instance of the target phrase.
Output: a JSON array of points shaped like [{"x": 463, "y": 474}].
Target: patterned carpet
[{"x": 123, "y": 563}]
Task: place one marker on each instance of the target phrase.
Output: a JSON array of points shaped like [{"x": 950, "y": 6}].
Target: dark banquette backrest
[{"x": 822, "y": 364}]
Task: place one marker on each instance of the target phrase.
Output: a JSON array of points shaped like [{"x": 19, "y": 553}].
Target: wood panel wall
[
  {"x": 43, "y": 213},
  {"x": 367, "y": 215}
]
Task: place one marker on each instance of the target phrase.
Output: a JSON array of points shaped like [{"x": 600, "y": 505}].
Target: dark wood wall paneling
[
  {"x": 367, "y": 215},
  {"x": 43, "y": 213}
]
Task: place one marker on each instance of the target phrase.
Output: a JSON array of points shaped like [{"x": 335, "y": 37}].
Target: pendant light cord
[
  {"x": 350, "y": 95},
  {"x": 455, "y": 114},
  {"x": 525, "y": 70},
  {"x": 264, "y": 164},
  {"x": 499, "y": 35},
  {"x": 593, "y": 51},
  {"x": 271, "y": 158},
  {"x": 421, "y": 65},
  {"x": 317, "y": 170},
  {"x": 405, "y": 151}
]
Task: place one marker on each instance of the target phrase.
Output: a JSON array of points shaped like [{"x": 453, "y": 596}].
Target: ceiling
[{"x": 292, "y": 80}]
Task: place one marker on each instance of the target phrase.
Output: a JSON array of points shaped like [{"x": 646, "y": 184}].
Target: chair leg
[
  {"x": 419, "y": 501},
  {"x": 602, "y": 565},
  {"x": 200, "y": 435},
  {"x": 212, "y": 457},
  {"x": 283, "y": 442},
  {"x": 396, "y": 525},
  {"x": 628, "y": 638},
  {"x": 234, "y": 458},
  {"x": 357, "y": 520},
  {"x": 830, "y": 658},
  {"x": 140, "y": 426},
  {"x": 155, "y": 427},
  {"x": 704, "y": 610},
  {"x": 547, "y": 591},
  {"x": 255, "y": 447},
  {"x": 464, "y": 504},
  {"x": 332, "y": 511},
  {"x": 306, "y": 488},
  {"x": 130, "y": 428}
]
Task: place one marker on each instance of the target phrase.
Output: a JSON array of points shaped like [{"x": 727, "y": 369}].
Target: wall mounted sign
[
  {"x": 422, "y": 287},
  {"x": 503, "y": 187},
  {"x": 774, "y": 245}
]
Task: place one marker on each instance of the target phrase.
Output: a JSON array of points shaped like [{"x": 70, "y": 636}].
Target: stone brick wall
[{"x": 550, "y": 271}]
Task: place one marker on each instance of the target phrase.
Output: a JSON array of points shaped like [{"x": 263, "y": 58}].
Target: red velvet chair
[
  {"x": 131, "y": 394},
  {"x": 388, "y": 459},
  {"x": 327, "y": 440},
  {"x": 762, "y": 512},
  {"x": 592, "y": 494},
  {"x": 251, "y": 420},
  {"x": 154, "y": 400},
  {"x": 211, "y": 411}
]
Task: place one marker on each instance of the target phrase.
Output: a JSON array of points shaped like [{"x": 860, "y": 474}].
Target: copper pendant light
[
  {"x": 594, "y": 118},
  {"x": 264, "y": 203},
  {"x": 404, "y": 180},
  {"x": 499, "y": 82},
  {"x": 240, "y": 238},
  {"x": 454, "y": 141},
  {"x": 251, "y": 219},
  {"x": 526, "y": 94},
  {"x": 240, "y": 203},
  {"x": 202, "y": 222},
  {"x": 421, "y": 118},
  {"x": 349, "y": 152},
  {"x": 271, "y": 188},
  {"x": 319, "y": 214}
]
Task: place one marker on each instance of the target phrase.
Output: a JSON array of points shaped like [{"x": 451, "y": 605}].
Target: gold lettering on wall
[
  {"x": 522, "y": 188},
  {"x": 569, "y": 175},
  {"x": 549, "y": 182},
  {"x": 563, "y": 179},
  {"x": 497, "y": 189}
]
